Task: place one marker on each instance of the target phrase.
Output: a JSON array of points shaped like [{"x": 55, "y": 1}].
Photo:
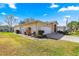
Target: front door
[{"x": 55, "y": 28}]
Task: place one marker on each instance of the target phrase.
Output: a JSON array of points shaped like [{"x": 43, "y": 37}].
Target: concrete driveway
[
  {"x": 70, "y": 38},
  {"x": 57, "y": 36}
]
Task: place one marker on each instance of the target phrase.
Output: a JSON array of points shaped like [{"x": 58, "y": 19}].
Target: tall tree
[
  {"x": 73, "y": 25},
  {"x": 10, "y": 21},
  {"x": 21, "y": 22},
  {"x": 27, "y": 20}
]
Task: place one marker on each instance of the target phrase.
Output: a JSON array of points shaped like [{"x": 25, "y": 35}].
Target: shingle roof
[{"x": 37, "y": 21}]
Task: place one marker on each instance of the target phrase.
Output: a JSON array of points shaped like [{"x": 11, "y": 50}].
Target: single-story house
[
  {"x": 35, "y": 26},
  {"x": 4, "y": 28}
]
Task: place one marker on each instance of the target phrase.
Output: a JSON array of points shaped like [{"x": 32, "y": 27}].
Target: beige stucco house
[{"x": 35, "y": 26}]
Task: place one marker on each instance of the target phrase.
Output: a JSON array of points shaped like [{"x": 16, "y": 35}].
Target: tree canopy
[
  {"x": 10, "y": 21},
  {"x": 27, "y": 20},
  {"x": 73, "y": 25}
]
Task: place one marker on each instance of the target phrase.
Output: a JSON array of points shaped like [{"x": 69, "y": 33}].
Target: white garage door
[{"x": 47, "y": 30}]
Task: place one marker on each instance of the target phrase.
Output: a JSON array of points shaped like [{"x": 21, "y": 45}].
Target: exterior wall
[
  {"x": 47, "y": 30},
  {"x": 22, "y": 30},
  {"x": 16, "y": 28},
  {"x": 34, "y": 29},
  {"x": 36, "y": 26},
  {"x": 52, "y": 26}
]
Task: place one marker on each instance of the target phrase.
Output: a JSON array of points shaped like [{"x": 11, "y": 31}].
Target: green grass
[
  {"x": 14, "y": 45},
  {"x": 76, "y": 33}
]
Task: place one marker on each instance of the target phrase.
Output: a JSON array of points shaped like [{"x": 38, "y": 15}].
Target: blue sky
[{"x": 41, "y": 11}]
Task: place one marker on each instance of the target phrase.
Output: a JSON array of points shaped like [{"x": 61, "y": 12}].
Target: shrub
[
  {"x": 63, "y": 32},
  {"x": 18, "y": 31},
  {"x": 60, "y": 32},
  {"x": 34, "y": 34},
  {"x": 40, "y": 34},
  {"x": 66, "y": 32}
]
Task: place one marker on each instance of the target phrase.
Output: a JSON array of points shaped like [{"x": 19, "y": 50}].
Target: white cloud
[
  {"x": 3, "y": 13},
  {"x": 12, "y": 5},
  {"x": 69, "y": 8},
  {"x": 53, "y": 5},
  {"x": 45, "y": 14}
]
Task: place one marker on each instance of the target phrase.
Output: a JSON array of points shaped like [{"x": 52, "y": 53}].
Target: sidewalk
[
  {"x": 70, "y": 38},
  {"x": 65, "y": 37}
]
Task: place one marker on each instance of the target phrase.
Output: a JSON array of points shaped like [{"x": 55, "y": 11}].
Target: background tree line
[
  {"x": 11, "y": 21},
  {"x": 73, "y": 26}
]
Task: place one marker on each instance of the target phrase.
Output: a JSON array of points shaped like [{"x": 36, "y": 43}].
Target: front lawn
[
  {"x": 76, "y": 33},
  {"x": 13, "y": 44}
]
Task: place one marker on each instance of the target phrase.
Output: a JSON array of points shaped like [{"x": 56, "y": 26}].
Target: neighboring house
[
  {"x": 35, "y": 26},
  {"x": 61, "y": 28},
  {"x": 4, "y": 28}
]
